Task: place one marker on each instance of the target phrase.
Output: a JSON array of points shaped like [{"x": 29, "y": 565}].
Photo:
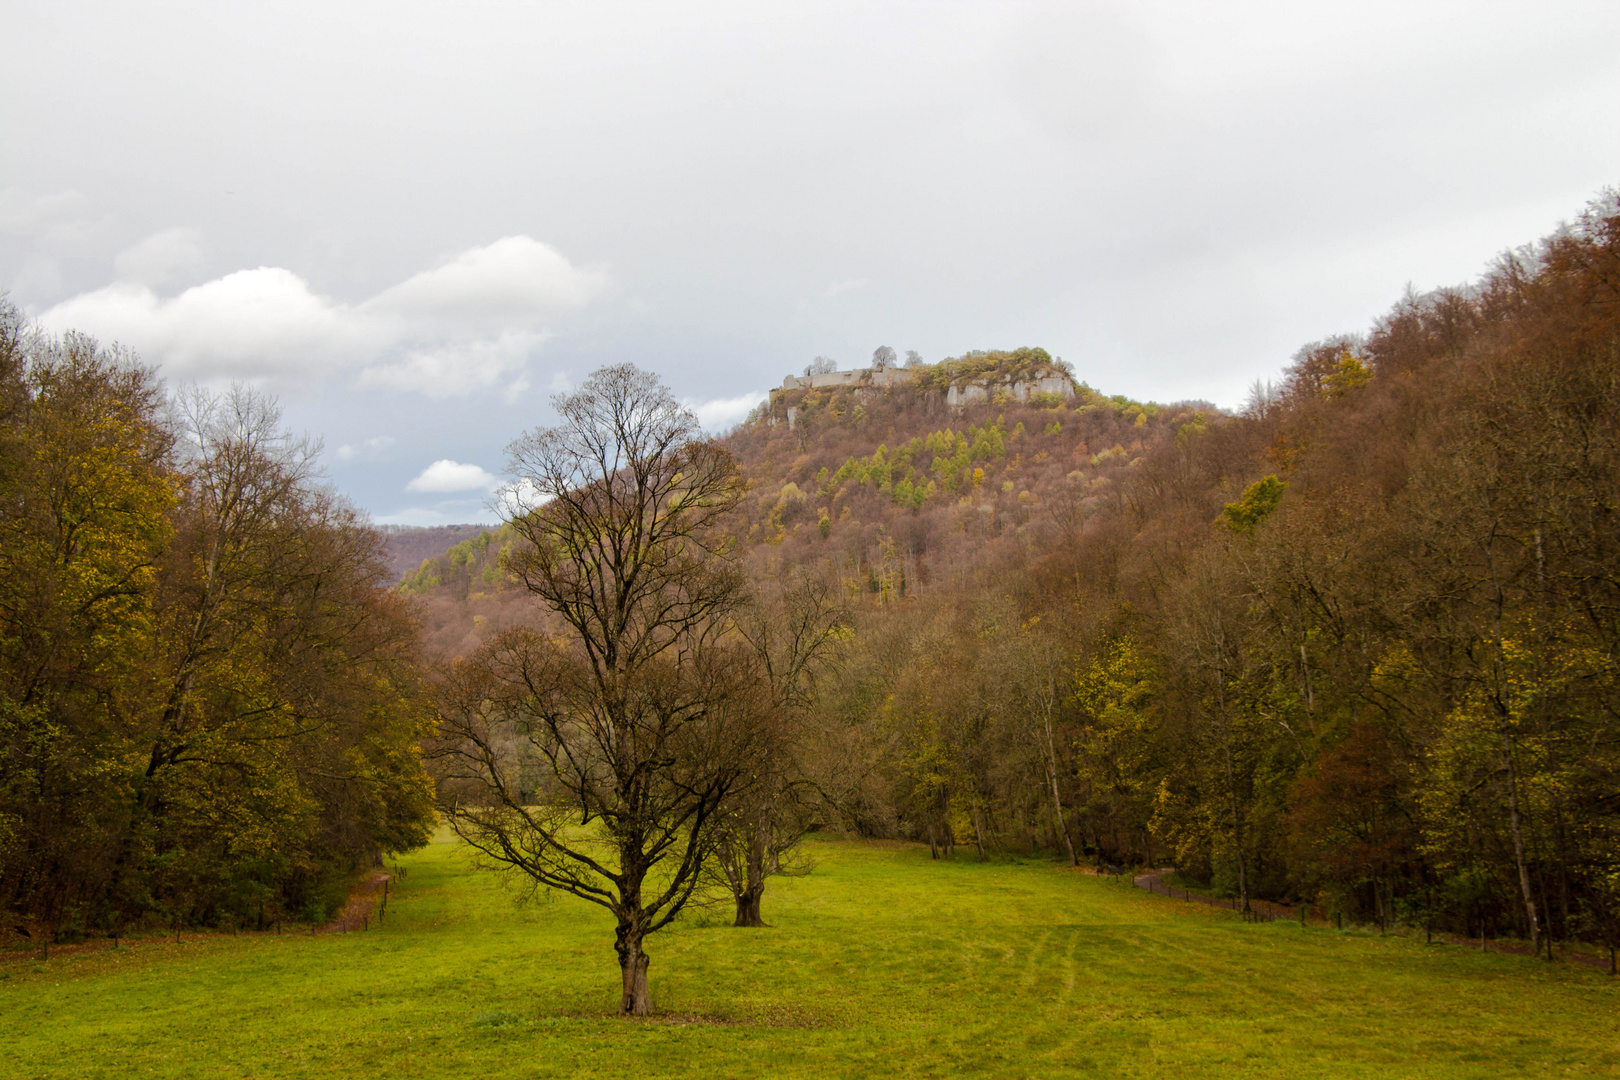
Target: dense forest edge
[
  {"x": 211, "y": 705},
  {"x": 1353, "y": 645}
]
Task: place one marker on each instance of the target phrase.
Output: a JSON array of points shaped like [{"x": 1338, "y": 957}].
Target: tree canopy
[{"x": 209, "y": 706}]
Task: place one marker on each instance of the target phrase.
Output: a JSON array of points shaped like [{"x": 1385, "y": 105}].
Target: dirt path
[{"x": 361, "y": 910}]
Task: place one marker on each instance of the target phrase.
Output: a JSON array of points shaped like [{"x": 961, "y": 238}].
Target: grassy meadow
[{"x": 880, "y": 962}]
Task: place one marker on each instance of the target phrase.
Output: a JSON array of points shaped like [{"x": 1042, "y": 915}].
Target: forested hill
[
  {"x": 1354, "y": 644},
  {"x": 406, "y": 546},
  {"x": 886, "y": 483},
  {"x": 901, "y": 492}
]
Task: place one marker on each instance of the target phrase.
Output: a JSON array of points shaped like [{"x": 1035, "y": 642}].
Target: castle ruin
[{"x": 957, "y": 395}]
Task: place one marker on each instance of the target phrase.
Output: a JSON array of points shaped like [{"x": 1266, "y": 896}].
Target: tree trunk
[
  {"x": 1546, "y": 908},
  {"x": 1310, "y": 698},
  {"x": 1518, "y": 843},
  {"x": 637, "y": 1000},
  {"x": 748, "y": 902},
  {"x": 1057, "y": 801},
  {"x": 1237, "y": 820},
  {"x": 752, "y": 892},
  {"x": 978, "y": 830}
]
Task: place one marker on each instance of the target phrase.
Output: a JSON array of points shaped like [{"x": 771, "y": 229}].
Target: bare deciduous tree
[{"x": 595, "y": 758}]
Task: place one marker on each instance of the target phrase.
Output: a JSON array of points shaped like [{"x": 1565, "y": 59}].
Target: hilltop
[
  {"x": 902, "y": 480},
  {"x": 898, "y": 480}
]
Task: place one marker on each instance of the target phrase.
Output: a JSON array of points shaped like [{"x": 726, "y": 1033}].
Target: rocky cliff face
[{"x": 1056, "y": 384}]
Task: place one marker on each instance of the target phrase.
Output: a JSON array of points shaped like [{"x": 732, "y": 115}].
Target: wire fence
[
  {"x": 1271, "y": 911},
  {"x": 367, "y": 901},
  {"x": 1257, "y": 910}
]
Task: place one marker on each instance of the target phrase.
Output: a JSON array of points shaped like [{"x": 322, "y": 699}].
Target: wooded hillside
[
  {"x": 1354, "y": 644},
  {"x": 406, "y": 546}
]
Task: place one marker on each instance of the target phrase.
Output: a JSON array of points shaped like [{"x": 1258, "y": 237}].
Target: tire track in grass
[
  {"x": 1030, "y": 968},
  {"x": 1070, "y": 963}
]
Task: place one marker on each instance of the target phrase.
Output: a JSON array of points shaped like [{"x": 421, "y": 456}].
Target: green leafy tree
[{"x": 1260, "y": 500}]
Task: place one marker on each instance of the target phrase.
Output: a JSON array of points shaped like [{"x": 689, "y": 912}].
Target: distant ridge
[{"x": 408, "y": 545}]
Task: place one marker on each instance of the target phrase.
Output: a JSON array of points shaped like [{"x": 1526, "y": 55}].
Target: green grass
[{"x": 880, "y": 962}]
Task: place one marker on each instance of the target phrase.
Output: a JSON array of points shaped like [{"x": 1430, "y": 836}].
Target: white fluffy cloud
[
  {"x": 505, "y": 284},
  {"x": 261, "y": 325},
  {"x": 721, "y": 413},
  {"x": 445, "y": 476},
  {"x": 517, "y": 498},
  {"x": 469, "y": 325}
]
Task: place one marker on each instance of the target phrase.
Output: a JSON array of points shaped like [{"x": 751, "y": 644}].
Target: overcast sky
[{"x": 414, "y": 222}]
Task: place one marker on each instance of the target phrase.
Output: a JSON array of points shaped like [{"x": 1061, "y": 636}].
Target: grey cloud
[
  {"x": 37, "y": 232},
  {"x": 371, "y": 449},
  {"x": 448, "y": 512},
  {"x": 460, "y": 368},
  {"x": 161, "y": 257}
]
